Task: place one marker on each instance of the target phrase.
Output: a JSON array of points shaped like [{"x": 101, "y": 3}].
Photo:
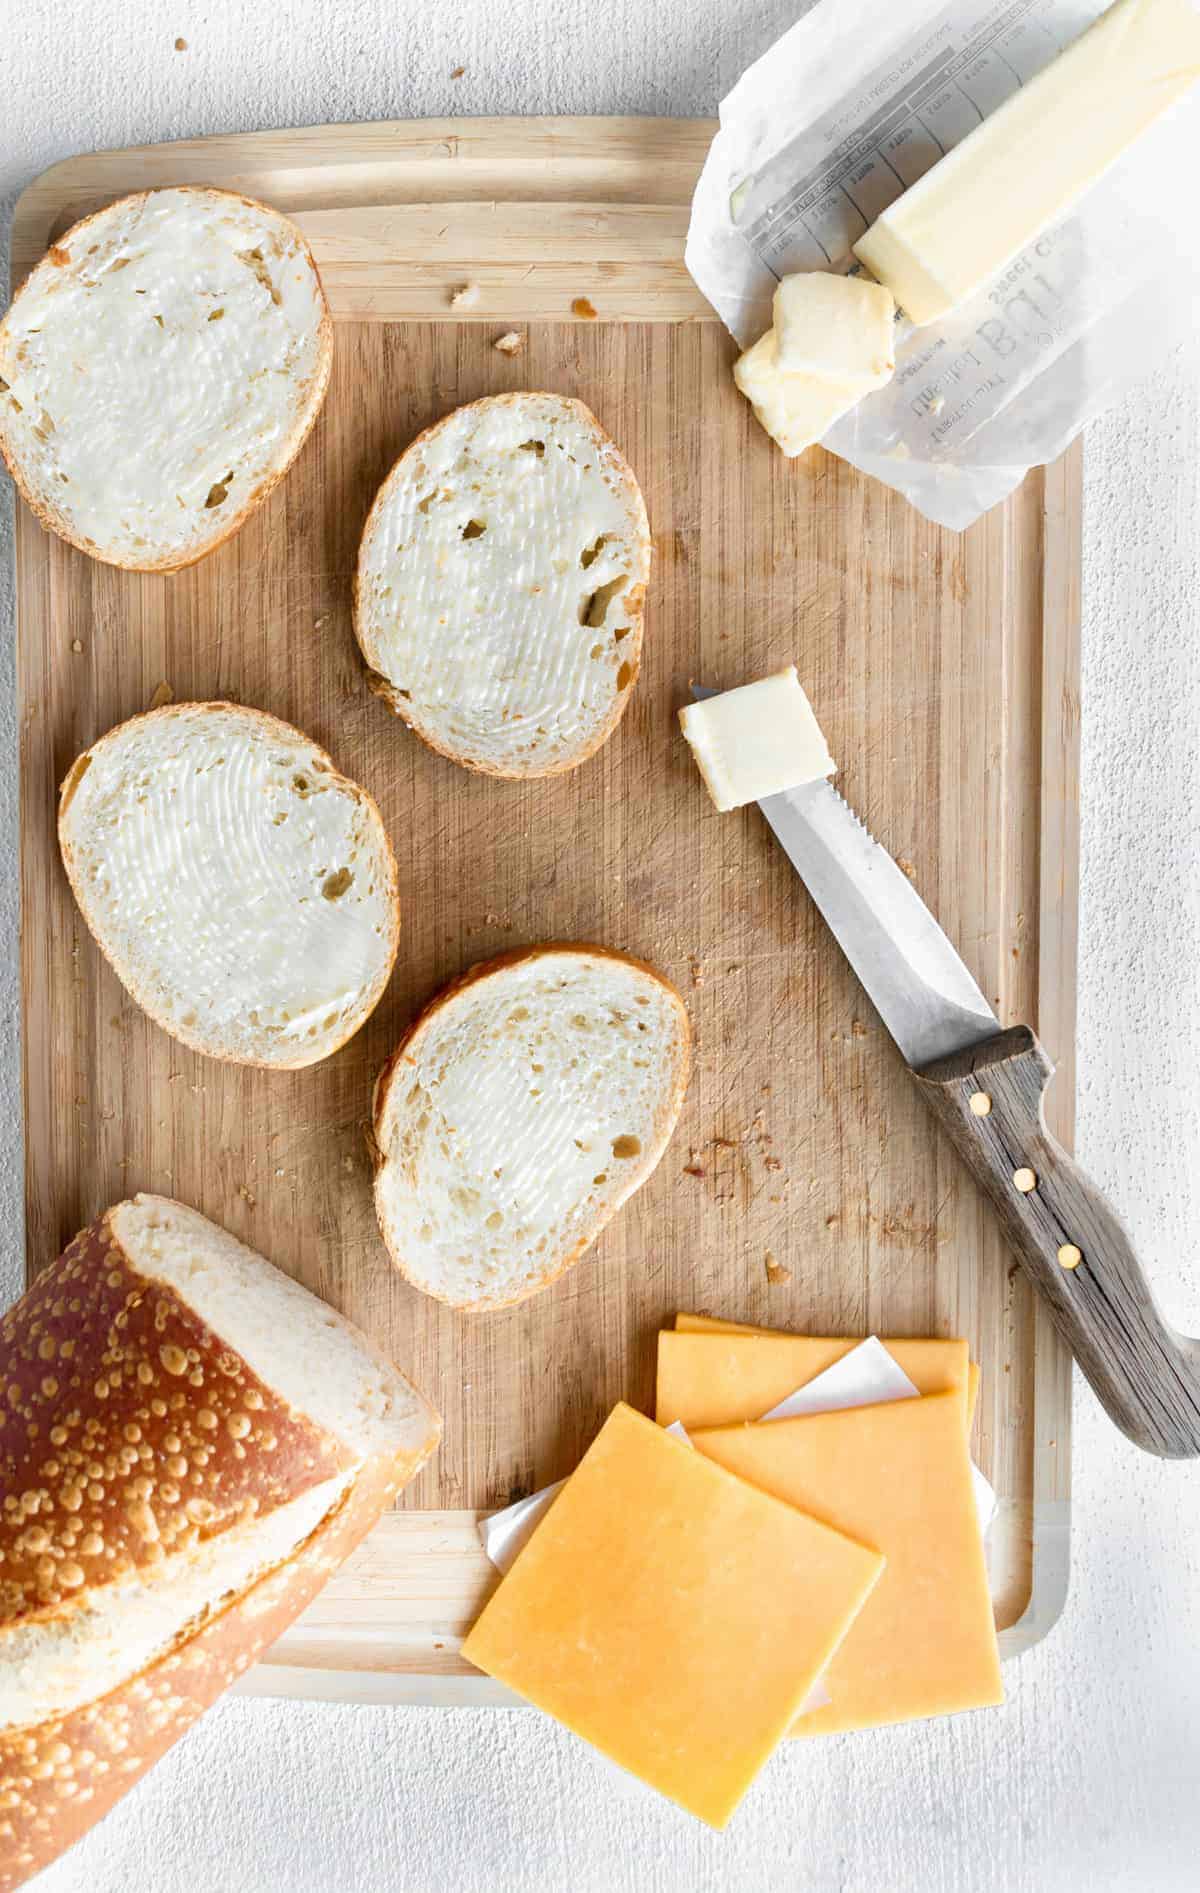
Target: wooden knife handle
[{"x": 1069, "y": 1240}]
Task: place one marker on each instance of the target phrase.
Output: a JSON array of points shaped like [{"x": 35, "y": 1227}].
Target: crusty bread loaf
[
  {"x": 159, "y": 371},
  {"x": 189, "y": 1443},
  {"x": 244, "y": 891},
  {"x": 501, "y": 582},
  {"x": 527, "y": 1102}
]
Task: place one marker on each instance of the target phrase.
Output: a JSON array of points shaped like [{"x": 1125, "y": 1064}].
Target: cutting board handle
[{"x": 1147, "y": 1377}]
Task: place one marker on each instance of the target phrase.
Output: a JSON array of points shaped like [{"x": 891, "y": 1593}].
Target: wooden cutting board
[{"x": 944, "y": 672}]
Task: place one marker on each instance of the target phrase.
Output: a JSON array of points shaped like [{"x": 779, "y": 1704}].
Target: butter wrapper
[{"x": 849, "y": 108}]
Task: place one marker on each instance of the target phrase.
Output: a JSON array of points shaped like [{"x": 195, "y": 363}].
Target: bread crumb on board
[
  {"x": 76, "y": 645},
  {"x": 584, "y": 309},
  {"x": 163, "y": 694},
  {"x": 509, "y": 344},
  {"x": 465, "y": 296},
  {"x": 776, "y": 1272}
]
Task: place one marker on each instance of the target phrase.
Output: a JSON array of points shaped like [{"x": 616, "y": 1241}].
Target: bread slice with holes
[
  {"x": 501, "y": 583},
  {"x": 160, "y": 370},
  {"x": 530, "y": 1099},
  {"x": 244, "y": 891}
]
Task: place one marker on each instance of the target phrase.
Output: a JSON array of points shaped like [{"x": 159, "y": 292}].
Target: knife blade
[
  {"x": 916, "y": 981},
  {"x": 986, "y": 1086}
]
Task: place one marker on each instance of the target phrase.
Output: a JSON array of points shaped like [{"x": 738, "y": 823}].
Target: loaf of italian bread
[{"x": 190, "y": 1442}]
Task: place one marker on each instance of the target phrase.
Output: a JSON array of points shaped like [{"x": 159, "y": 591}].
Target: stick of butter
[
  {"x": 756, "y": 740},
  {"x": 1029, "y": 162},
  {"x": 836, "y": 328}
]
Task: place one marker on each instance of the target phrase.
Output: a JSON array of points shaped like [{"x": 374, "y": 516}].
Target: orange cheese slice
[
  {"x": 720, "y": 1377},
  {"x": 672, "y": 1615},
  {"x": 899, "y": 1477},
  {"x": 709, "y": 1324}
]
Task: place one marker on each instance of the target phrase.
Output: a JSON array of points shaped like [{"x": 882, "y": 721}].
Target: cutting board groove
[{"x": 943, "y": 669}]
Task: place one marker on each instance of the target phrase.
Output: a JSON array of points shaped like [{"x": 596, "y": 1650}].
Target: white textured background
[{"x": 1090, "y": 1777}]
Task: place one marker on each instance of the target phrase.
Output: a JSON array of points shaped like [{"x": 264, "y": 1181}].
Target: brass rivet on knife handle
[
  {"x": 980, "y": 1103},
  {"x": 1146, "y": 1375}
]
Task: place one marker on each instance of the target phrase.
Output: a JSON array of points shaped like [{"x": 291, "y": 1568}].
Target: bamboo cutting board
[{"x": 943, "y": 669}]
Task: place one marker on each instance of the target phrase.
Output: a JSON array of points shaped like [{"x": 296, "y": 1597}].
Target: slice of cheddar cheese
[
  {"x": 672, "y": 1615},
  {"x": 709, "y": 1324},
  {"x": 719, "y": 1379},
  {"x": 899, "y": 1477}
]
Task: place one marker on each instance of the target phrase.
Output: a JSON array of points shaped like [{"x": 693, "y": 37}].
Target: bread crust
[
  {"x": 497, "y": 966},
  {"x": 400, "y": 706},
  {"x": 313, "y": 394},
  {"x": 59, "y": 1776},
  {"x": 286, "y": 732}
]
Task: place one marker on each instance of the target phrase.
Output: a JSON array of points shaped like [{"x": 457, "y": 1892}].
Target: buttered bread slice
[
  {"x": 159, "y": 371},
  {"x": 529, "y": 1100},
  {"x": 244, "y": 891},
  {"x": 501, "y": 582}
]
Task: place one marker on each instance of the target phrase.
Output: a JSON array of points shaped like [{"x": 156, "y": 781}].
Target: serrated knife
[{"x": 986, "y": 1087}]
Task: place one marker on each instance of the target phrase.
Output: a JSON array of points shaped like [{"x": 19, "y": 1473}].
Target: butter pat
[
  {"x": 756, "y": 740},
  {"x": 837, "y": 329},
  {"x": 831, "y": 343},
  {"x": 1029, "y": 162},
  {"x": 798, "y": 412},
  {"x": 795, "y": 410}
]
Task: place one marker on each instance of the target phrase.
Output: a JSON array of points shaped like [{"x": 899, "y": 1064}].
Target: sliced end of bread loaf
[
  {"x": 315, "y": 1360},
  {"x": 159, "y": 371},
  {"x": 501, "y": 584},
  {"x": 244, "y": 891},
  {"x": 529, "y": 1100}
]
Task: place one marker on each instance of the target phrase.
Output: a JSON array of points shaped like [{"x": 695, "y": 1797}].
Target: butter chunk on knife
[{"x": 756, "y": 740}]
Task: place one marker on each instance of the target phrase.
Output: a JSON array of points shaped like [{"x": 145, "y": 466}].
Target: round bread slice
[
  {"x": 159, "y": 371},
  {"x": 501, "y": 582},
  {"x": 244, "y": 891},
  {"x": 528, "y": 1101}
]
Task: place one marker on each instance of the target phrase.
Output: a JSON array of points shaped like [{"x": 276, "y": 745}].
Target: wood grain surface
[{"x": 942, "y": 667}]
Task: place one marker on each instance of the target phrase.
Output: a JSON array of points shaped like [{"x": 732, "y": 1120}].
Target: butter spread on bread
[
  {"x": 244, "y": 891},
  {"x": 529, "y": 1100},
  {"x": 501, "y": 582},
  {"x": 159, "y": 371}
]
